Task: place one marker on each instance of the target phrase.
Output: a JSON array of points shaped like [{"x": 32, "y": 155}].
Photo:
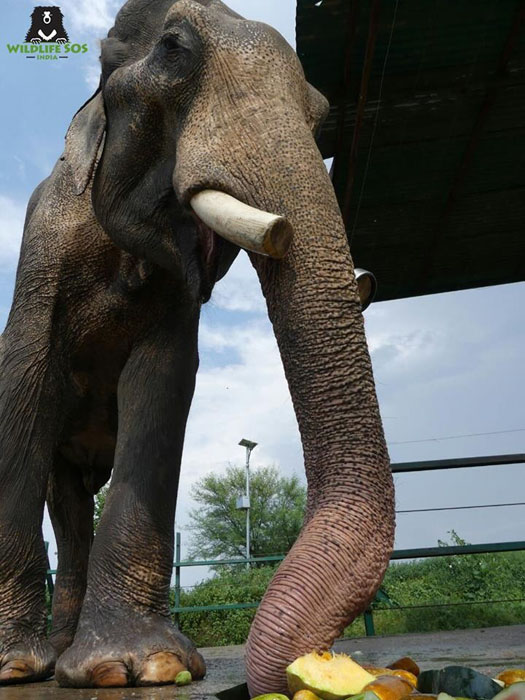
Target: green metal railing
[{"x": 415, "y": 553}]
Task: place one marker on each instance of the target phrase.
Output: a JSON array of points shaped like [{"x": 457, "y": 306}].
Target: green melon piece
[
  {"x": 458, "y": 681},
  {"x": 183, "y": 678},
  {"x": 516, "y": 691},
  {"x": 270, "y": 696}
]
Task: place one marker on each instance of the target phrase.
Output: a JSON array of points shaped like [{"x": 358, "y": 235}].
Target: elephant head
[{"x": 195, "y": 98}]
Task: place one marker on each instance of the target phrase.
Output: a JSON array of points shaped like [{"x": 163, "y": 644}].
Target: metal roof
[{"x": 427, "y": 127}]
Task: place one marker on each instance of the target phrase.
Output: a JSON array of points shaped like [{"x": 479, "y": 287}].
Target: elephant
[{"x": 199, "y": 141}]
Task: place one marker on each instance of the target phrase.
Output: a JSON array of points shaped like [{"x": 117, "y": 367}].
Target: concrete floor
[{"x": 489, "y": 650}]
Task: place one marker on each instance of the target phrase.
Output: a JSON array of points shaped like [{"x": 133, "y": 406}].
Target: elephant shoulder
[{"x": 35, "y": 199}]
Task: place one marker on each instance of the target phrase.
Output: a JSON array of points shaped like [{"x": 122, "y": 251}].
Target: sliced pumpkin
[
  {"x": 405, "y": 664},
  {"x": 400, "y": 673},
  {"x": 511, "y": 675},
  {"x": 329, "y": 676},
  {"x": 305, "y": 695},
  {"x": 388, "y": 688}
]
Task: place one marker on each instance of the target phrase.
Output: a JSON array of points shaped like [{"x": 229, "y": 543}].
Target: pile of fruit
[{"x": 325, "y": 676}]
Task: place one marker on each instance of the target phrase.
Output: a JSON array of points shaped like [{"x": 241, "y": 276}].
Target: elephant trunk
[{"x": 340, "y": 557}]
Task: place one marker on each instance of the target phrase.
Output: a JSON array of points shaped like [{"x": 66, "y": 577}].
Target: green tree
[
  {"x": 100, "y": 502},
  {"x": 276, "y": 513},
  {"x": 229, "y": 585},
  {"x": 451, "y": 592}
]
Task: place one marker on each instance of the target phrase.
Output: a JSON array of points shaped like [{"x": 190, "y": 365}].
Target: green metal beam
[
  {"x": 491, "y": 461},
  {"x": 226, "y": 562},
  {"x": 204, "y": 608},
  {"x": 457, "y": 549}
]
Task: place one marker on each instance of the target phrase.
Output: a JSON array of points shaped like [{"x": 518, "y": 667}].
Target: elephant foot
[
  {"x": 128, "y": 649},
  {"x": 25, "y": 657}
]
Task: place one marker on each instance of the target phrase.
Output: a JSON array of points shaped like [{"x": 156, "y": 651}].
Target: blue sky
[{"x": 445, "y": 365}]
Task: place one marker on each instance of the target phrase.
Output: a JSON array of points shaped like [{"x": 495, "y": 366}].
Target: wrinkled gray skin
[{"x": 103, "y": 332}]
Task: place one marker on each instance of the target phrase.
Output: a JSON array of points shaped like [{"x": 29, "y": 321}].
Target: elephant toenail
[
  {"x": 15, "y": 669},
  {"x": 110, "y": 674},
  {"x": 161, "y": 667},
  {"x": 197, "y": 666}
]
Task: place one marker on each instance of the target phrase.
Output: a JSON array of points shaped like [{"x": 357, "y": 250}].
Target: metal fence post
[
  {"x": 177, "y": 578},
  {"x": 369, "y": 623},
  {"x": 49, "y": 578}
]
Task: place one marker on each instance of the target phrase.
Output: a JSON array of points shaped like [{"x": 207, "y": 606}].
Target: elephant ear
[
  {"x": 318, "y": 109},
  {"x": 85, "y": 141}
]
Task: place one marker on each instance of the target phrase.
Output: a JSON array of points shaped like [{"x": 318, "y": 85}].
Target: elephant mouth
[
  {"x": 210, "y": 246},
  {"x": 243, "y": 225},
  {"x": 223, "y": 221}
]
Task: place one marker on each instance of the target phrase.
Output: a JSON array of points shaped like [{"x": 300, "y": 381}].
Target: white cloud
[
  {"x": 246, "y": 397},
  {"x": 278, "y": 14},
  {"x": 402, "y": 348},
  {"x": 20, "y": 166},
  {"x": 92, "y": 74},
  {"x": 12, "y": 217},
  {"x": 49, "y": 537},
  {"x": 239, "y": 290},
  {"x": 90, "y": 16},
  {"x": 91, "y": 19}
]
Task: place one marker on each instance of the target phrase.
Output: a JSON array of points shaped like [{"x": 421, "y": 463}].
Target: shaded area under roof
[{"x": 427, "y": 127}]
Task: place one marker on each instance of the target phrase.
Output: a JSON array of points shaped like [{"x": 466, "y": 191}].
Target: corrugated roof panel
[{"x": 441, "y": 146}]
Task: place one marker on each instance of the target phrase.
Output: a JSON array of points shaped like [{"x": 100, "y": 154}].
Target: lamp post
[{"x": 243, "y": 502}]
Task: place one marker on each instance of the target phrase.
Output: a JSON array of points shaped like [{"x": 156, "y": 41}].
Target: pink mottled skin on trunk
[{"x": 340, "y": 557}]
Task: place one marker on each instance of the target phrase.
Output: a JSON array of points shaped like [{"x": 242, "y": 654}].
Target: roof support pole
[
  {"x": 345, "y": 87},
  {"x": 373, "y": 28},
  {"x": 465, "y": 164}
]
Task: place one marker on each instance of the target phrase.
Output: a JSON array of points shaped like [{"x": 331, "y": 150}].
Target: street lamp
[{"x": 243, "y": 502}]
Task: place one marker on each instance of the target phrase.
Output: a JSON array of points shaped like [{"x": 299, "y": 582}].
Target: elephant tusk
[{"x": 247, "y": 227}]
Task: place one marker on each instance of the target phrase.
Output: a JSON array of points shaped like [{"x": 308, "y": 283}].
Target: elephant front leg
[
  {"x": 71, "y": 510},
  {"x": 28, "y": 426},
  {"x": 125, "y": 635}
]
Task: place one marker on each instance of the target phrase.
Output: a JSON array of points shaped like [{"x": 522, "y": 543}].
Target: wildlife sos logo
[
  {"x": 47, "y": 24},
  {"x": 47, "y": 38}
]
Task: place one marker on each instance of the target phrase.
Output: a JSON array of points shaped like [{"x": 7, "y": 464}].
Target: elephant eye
[
  {"x": 172, "y": 43},
  {"x": 178, "y": 50}
]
